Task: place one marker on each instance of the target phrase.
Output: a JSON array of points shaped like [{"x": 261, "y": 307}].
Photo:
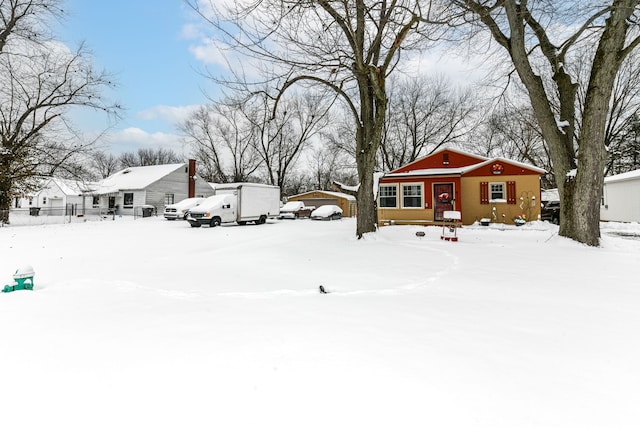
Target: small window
[
  {"x": 128, "y": 200},
  {"x": 497, "y": 191},
  {"x": 412, "y": 196},
  {"x": 44, "y": 200},
  {"x": 95, "y": 201},
  {"x": 388, "y": 197},
  {"x": 168, "y": 199},
  {"x": 445, "y": 158}
]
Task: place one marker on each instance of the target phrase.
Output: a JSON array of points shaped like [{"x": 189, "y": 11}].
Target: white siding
[{"x": 621, "y": 201}]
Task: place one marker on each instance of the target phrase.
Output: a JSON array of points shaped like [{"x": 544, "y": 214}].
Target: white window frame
[
  {"x": 504, "y": 192},
  {"x": 412, "y": 184},
  {"x": 395, "y": 186}
]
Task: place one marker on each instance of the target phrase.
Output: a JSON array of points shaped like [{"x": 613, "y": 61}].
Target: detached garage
[
  {"x": 320, "y": 198},
  {"x": 621, "y": 197}
]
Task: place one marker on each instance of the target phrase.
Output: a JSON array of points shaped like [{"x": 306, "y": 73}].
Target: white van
[{"x": 179, "y": 210}]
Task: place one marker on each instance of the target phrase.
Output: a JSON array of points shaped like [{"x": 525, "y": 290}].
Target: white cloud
[
  {"x": 208, "y": 53},
  {"x": 167, "y": 113},
  {"x": 132, "y": 138}
]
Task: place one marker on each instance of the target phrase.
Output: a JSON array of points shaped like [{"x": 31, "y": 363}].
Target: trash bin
[
  {"x": 147, "y": 210},
  {"x": 34, "y": 211}
]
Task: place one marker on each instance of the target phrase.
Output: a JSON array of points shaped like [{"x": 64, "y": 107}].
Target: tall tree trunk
[
  {"x": 5, "y": 196},
  {"x": 592, "y": 155},
  {"x": 373, "y": 110}
]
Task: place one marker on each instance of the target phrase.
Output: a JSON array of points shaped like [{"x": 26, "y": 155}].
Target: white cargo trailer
[{"x": 239, "y": 202}]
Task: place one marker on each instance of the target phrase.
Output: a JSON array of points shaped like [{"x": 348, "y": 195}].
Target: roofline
[
  {"x": 177, "y": 165},
  {"x": 625, "y": 176},
  {"x": 502, "y": 159},
  {"x": 345, "y": 195},
  {"x": 439, "y": 150}
]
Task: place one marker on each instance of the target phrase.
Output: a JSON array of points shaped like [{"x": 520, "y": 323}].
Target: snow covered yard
[{"x": 153, "y": 323}]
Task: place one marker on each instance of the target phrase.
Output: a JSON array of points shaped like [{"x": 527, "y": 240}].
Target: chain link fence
[{"x": 69, "y": 214}]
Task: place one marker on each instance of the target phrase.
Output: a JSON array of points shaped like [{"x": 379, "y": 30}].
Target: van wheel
[
  {"x": 261, "y": 220},
  {"x": 215, "y": 222}
]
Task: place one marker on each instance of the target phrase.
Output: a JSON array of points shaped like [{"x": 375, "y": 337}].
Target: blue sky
[
  {"x": 143, "y": 43},
  {"x": 157, "y": 51}
]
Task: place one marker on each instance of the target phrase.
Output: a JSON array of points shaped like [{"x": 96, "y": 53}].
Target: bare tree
[
  {"x": 104, "y": 164},
  {"x": 348, "y": 49},
  {"x": 39, "y": 83},
  {"x": 221, "y": 138},
  {"x": 529, "y": 32},
  {"x": 424, "y": 115},
  {"x": 623, "y": 127},
  {"x": 23, "y": 21},
  {"x": 148, "y": 157},
  {"x": 282, "y": 138},
  {"x": 512, "y": 132},
  {"x": 326, "y": 165},
  {"x": 624, "y": 150}
]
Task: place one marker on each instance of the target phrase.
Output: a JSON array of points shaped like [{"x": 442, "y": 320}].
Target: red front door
[{"x": 442, "y": 199}]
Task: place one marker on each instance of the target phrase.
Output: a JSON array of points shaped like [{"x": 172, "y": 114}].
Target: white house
[
  {"x": 59, "y": 196},
  {"x": 156, "y": 186},
  {"x": 621, "y": 197}
]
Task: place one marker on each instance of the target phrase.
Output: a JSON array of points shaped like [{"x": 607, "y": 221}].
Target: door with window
[{"x": 442, "y": 199}]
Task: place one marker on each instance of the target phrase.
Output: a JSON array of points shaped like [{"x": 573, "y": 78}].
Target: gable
[
  {"x": 498, "y": 166},
  {"x": 442, "y": 159}
]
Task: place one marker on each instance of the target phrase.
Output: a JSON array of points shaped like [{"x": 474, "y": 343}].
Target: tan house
[
  {"x": 320, "y": 198},
  {"x": 480, "y": 188}
]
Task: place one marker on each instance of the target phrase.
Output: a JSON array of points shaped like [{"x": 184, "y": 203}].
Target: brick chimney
[{"x": 192, "y": 178}]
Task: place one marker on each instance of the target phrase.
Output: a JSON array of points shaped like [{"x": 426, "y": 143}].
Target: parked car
[
  {"x": 295, "y": 210},
  {"x": 550, "y": 211},
  {"x": 327, "y": 212},
  {"x": 179, "y": 210}
]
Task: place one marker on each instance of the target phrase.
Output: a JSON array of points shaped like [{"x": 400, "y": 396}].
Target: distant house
[
  {"x": 59, "y": 196},
  {"x": 497, "y": 189},
  {"x": 54, "y": 196},
  {"x": 621, "y": 197},
  {"x": 156, "y": 186},
  {"x": 320, "y": 198}
]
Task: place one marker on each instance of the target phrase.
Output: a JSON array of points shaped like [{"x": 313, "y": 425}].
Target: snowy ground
[{"x": 153, "y": 323}]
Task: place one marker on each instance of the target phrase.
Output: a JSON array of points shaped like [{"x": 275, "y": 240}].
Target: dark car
[{"x": 550, "y": 211}]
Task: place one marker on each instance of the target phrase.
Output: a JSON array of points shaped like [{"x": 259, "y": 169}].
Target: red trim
[
  {"x": 511, "y": 192},
  {"x": 484, "y": 193}
]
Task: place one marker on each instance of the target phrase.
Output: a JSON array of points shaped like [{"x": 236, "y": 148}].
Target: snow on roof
[
  {"x": 433, "y": 171},
  {"x": 439, "y": 150},
  {"x": 502, "y": 159},
  {"x": 72, "y": 188},
  {"x": 623, "y": 176},
  {"x": 135, "y": 178},
  {"x": 464, "y": 169},
  {"x": 330, "y": 193}
]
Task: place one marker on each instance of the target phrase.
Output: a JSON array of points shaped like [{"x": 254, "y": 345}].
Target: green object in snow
[{"x": 23, "y": 279}]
